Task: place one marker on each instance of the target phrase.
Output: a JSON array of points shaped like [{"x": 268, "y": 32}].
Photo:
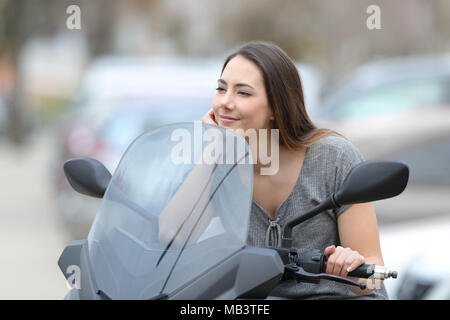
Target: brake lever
[{"x": 301, "y": 275}]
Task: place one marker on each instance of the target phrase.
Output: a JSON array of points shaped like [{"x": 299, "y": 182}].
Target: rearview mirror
[
  {"x": 87, "y": 176},
  {"x": 372, "y": 181},
  {"x": 366, "y": 182}
]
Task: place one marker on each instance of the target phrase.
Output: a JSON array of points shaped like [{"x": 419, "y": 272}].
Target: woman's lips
[{"x": 226, "y": 119}]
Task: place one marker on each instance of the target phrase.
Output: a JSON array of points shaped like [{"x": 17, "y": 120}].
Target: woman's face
[{"x": 241, "y": 99}]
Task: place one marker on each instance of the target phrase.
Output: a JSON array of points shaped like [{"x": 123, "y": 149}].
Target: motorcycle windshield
[{"x": 177, "y": 205}]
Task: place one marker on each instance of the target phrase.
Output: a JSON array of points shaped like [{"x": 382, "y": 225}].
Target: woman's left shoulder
[{"x": 337, "y": 147}]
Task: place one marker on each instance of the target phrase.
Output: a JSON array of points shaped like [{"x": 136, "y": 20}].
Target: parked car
[
  {"x": 313, "y": 81},
  {"x": 389, "y": 86},
  {"x": 400, "y": 110},
  {"x": 416, "y": 249}
]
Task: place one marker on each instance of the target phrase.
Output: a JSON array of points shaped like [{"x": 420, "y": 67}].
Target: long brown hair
[{"x": 284, "y": 93}]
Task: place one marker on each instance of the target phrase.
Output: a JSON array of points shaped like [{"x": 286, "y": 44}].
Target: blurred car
[
  {"x": 389, "y": 86},
  {"x": 313, "y": 81},
  {"x": 400, "y": 110},
  {"x": 112, "y": 78},
  {"x": 416, "y": 249}
]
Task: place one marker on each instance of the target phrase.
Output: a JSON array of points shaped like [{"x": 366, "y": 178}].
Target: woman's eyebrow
[{"x": 237, "y": 84}]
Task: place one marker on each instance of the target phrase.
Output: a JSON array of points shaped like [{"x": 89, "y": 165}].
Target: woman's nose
[{"x": 226, "y": 101}]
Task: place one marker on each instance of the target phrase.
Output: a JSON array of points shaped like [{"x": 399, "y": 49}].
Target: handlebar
[
  {"x": 372, "y": 270},
  {"x": 315, "y": 261},
  {"x": 310, "y": 266}
]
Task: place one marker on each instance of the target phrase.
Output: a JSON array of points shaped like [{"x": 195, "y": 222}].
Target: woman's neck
[{"x": 286, "y": 158}]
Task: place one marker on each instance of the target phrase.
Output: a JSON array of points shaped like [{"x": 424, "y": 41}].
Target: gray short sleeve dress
[{"x": 325, "y": 167}]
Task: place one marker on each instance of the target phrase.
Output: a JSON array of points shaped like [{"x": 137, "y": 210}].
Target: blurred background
[{"x": 84, "y": 78}]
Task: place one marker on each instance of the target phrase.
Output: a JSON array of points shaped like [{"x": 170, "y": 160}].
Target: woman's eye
[
  {"x": 220, "y": 89},
  {"x": 244, "y": 93}
]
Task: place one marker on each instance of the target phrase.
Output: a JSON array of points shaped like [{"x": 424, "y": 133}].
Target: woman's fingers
[
  {"x": 209, "y": 117},
  {"x": 332, "y": 259},
  {"x": 341, "y": 260},
  {"x": 212, "y": 116},
  {"x": 356, "y": 261},
  {"x": 329, "y": 250},
  {"x": 339, "y": 264}
]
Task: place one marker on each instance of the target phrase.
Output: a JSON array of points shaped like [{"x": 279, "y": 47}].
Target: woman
[{"x": 260, "y": 88}]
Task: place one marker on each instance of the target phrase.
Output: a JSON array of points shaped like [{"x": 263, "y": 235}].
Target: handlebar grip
[
  {"x": 314, "y": 261},
  {"x": 363, "y": 271},
  {"x": 369, "y": 270}
]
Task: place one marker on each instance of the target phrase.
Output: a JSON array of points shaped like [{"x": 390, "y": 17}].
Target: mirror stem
[{"x": 286, "y": 241}]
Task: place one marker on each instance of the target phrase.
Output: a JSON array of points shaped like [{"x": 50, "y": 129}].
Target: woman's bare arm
[{"x": 358, "y": 230}]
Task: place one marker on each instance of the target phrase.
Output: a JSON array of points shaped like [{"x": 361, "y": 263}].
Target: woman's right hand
[{"x": 209, "y": 117}]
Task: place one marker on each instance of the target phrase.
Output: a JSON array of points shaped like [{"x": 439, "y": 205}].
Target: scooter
[{"x": 173, "y": 221}]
